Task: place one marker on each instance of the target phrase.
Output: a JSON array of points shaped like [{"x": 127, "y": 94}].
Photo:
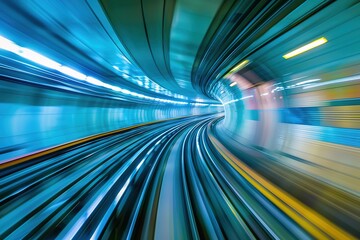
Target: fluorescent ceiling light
[
  {"x": 8, "y": 45},
  {"x": 115, "y": 88},
  {"x": 233, "y": 84},
  {"x": 127, "y": 60},
  {"x": 238, "y": 67},
  {"x": 38, "y": 58},
  {"x": 306, "y": 48},
  {"x": 200, "y": 104},
  {"x": 28, "y": 54},
  {"x": 199, "y": 100},
  {"x": 237, "y": 100},
  {"x": 97, "y": 82},
  {"x": 307, "y": 81},
  {"x": 72, "y": 73},
  {"x": 341, "y": 80}
]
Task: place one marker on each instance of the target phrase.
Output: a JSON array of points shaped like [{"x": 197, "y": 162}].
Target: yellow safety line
[
  {"x": 14, "y": 161},
  {"x": 311, "y": 221}
]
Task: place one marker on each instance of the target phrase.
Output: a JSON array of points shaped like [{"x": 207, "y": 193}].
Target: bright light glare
[
  {"x": 237, "y": 100},
  {"x": 308, "y": 81},
  {"x": 27, "y": 53},
  {"x": 10, "y": 46},
  {"x": 115, "y": 88},
  {"x": 38, "y": 58},
  {"x": 335, "y": 81},
  {"x": 127, "y": 60},
  {"x": 200, "y": 104},
  {"x": 233, "y": 84},
  {"x": 306, "y": 48},
  {"x": 72, "y": 73},
  {"x": 200, "y": 100},
  {"x": 95, "y": 81}
]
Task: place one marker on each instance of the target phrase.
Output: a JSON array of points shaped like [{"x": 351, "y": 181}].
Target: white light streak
[
  {"x": 31, "y": 55},
  {"x": 335, "y": 81}
]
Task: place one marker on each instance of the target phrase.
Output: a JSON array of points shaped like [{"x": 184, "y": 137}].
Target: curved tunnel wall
[
  {"x": 39, "y": 118},
  {"x": 303, "y": 110},
  {"x": 321, "y": 138}
]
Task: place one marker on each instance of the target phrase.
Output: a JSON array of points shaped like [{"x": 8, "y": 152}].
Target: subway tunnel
[{"x": 179, "y": 119}]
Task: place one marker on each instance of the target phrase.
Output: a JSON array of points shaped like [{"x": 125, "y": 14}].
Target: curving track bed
[{"x": 175, "y": 179}]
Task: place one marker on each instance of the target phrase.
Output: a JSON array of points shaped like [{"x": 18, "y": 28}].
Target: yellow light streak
[
  {"x": 238, "y": 67},
  {"x": 314, "y": 223},
  {"x": 306, "y": 48}
]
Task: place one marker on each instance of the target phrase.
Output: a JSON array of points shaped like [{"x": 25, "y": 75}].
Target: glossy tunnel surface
[{"x": 179, "y": 119}]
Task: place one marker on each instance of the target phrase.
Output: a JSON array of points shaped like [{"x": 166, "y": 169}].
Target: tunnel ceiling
[
  {"x": 84, "y": 41},
  {"x": 179, "y": 44},
  {"x": 163, "y": 37},
  {"x": 185, "y": 46},
  {"x": 247, "y": 30}
]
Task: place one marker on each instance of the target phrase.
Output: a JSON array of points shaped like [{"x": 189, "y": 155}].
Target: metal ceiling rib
[
  {"x": 142, "y": 27},
  {"x": 191, "y": 22},
  {"x": 256, "y": 25},
  {"x": 163, "y": 37}
]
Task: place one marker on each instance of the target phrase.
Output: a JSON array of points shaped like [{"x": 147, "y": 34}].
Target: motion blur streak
[{"x": 179, "y": 119}]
